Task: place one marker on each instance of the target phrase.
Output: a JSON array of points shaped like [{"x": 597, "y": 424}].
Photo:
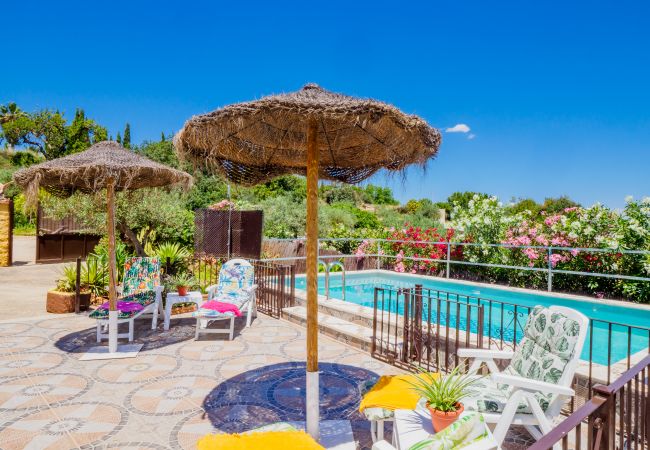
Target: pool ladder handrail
[{"x": 329, "y": 267}]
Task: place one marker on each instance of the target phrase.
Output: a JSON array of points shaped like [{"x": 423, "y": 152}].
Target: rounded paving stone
[
  {"x": 212, "y": 351},
  {"x": 19, "y": 343},
  {"x": 175, "y": 395},
  {"x": 29, "y": 363},
  {"x": 245, "y": 363},
  {"x": 362, "y": 361},
  {"x": 131, "y": 370},
  {"x": 297, "y": 350},
  {"x": 63, "y": 323},
  {"x": 189, "y": 430},
  {"x": 268, "y": 335},
  {"x": 87, "y": 423},
  {"x": 12, "y": 329},
  {"x": 41, "y": 390},
  {"x": 134, "y": 446}
]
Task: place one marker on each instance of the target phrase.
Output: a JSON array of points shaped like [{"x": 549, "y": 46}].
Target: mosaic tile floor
[{"x": 174, "y": 392}]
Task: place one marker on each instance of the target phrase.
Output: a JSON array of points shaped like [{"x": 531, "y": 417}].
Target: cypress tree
[
  {"x": 119, "y": 138},
  {"x": 127, "y": 136},
  {"x": 162, "y": 136}
]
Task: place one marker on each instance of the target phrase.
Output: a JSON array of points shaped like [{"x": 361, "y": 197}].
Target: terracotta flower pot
[
  {"x": 441, "y": 419},
  {"x": 63, "y": 302},
  {"x": 182, "y": 290}
]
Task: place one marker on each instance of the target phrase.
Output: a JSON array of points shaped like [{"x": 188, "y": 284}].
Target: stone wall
[{"x": 6, "y": 224}]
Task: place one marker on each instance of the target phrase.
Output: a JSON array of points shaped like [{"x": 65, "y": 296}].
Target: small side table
[{"x": 173, "y": 298}]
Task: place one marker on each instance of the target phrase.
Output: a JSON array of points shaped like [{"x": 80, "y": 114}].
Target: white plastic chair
[{"x": 533, "y": 388}]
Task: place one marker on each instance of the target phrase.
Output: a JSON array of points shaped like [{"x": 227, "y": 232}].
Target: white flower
[{"x": 628, "y": 199}]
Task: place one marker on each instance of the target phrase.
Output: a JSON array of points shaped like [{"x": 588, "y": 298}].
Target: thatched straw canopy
[
  {"x": 255, "y": 141},
  {"x": 90, "y": 170}
]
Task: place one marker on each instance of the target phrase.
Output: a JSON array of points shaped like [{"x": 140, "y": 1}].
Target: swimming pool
[{"x": 360, "y": 288}]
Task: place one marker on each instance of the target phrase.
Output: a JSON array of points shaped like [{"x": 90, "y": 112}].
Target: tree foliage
[{"x": 47, "y": 132}]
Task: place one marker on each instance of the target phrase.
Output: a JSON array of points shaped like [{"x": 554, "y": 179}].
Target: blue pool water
[{"x": 360, "y": 288}]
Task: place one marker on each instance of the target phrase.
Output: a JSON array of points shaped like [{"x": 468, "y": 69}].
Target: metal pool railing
[
  {"x": 616, "y": 417},
  {"x": 376, "y": 253},
  {"x": 421, "y": 327}
]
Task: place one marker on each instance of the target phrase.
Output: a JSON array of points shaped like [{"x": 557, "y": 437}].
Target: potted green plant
[
  {"x": 443, "y": 395},
  {"x": 61, "y": 299},
  {"x": 182, "y": 281}
]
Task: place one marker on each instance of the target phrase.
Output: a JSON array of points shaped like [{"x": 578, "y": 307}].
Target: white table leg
[{"x": 168, "y": 313}]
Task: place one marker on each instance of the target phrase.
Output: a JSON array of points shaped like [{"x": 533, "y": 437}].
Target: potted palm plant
[
  {"x": 61, "y": 299},
  {"x": 443, "y": 395},
  {"x": 183, "y": 281}
]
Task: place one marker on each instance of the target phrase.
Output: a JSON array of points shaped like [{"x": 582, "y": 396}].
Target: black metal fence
[
  {"x": 423, "y": 328},
  {"x": 616, "y": 417}
]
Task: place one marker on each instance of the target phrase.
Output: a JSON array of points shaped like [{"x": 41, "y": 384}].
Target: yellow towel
[
  {"x": 392, "y": 392},
  {"x": 267, "y": 440}
]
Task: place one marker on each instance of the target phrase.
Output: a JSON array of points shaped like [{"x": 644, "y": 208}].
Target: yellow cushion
[
  {"x": 268, "y": 440},
  {"x": 392, "y": 392}
]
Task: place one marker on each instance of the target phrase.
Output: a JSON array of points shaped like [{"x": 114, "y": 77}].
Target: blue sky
[{"x": 556, "y": 94}]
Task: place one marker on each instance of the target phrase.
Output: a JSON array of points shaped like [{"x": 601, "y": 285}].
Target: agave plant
[
  {"x": 443, "y": 393},
  {"x": 94, "y": 275},
  {"x": 68, "y": 280}
]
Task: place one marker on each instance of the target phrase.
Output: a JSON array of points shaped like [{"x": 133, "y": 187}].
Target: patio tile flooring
[{"x": 175, "y": 391}]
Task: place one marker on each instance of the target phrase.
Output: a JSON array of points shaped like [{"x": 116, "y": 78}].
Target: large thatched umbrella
[
  {"x": 312, "y": 132},
  {"x": 105, "y": 165}
]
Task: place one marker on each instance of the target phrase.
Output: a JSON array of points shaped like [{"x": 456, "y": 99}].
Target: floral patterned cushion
[
  {"x": 101, "y": 313},
  {"x": 469, "y": 429},
  {"x": 145, "y": 298},
  {"x": 140, "y": 274},
  {"x": 206, "y": 313},
  {"x": 233, "y": 278}
]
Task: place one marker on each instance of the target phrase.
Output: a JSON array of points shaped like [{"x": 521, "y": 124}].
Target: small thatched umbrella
[
  {"x": 312, "y": 132},
  {"x": 105, "y": 165}
]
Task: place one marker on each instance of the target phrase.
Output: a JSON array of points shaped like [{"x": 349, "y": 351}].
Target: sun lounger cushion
[
  {"x": 470, "y": 429},
  {"x": 389, "y": 393},
  {"x": 542, "y": 354},
  {"x": 140, "y": 274},
  {"x": 126, "y": 310}
]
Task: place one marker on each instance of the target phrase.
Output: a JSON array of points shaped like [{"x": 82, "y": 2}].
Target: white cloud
[
  {"x": 458, "y": 128},
  {"x": 471, "y": 136}
]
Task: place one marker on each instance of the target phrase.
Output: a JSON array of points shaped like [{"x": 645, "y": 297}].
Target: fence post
[
  {"x": 605, "y": 418},
  {"x": 550, "y": 269},
  {"x": 416, "y": 333},
  {"x": 77, "y": 288},
  {"x": 406, "y": 326},
  {"x": 378, "y": 250},
  {"x": 373, "y": 344},
  {"x": 481, "y": 323},
  {"x": 448, "y": 256}
]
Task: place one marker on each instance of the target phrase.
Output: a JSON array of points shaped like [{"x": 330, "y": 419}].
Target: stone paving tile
[{"x": 175, "y": 391}]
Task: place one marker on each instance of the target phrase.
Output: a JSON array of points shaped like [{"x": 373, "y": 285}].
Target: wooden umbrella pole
[
  {"x": 112, "y": 281},
  {"x": 312, "y": 281}
]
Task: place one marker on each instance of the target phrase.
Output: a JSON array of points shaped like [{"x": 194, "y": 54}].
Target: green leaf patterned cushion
[
  {"x": 140, "y": 274},
  {"x": 548, "y": 344},
  {"x": 469, "y": 429},
  {"x": 488, "y": 396}
]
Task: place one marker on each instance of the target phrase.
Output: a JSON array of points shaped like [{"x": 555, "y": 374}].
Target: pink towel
[
  {"x": 125, "y": 306},
  {"x": 221, "y": 307}
]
